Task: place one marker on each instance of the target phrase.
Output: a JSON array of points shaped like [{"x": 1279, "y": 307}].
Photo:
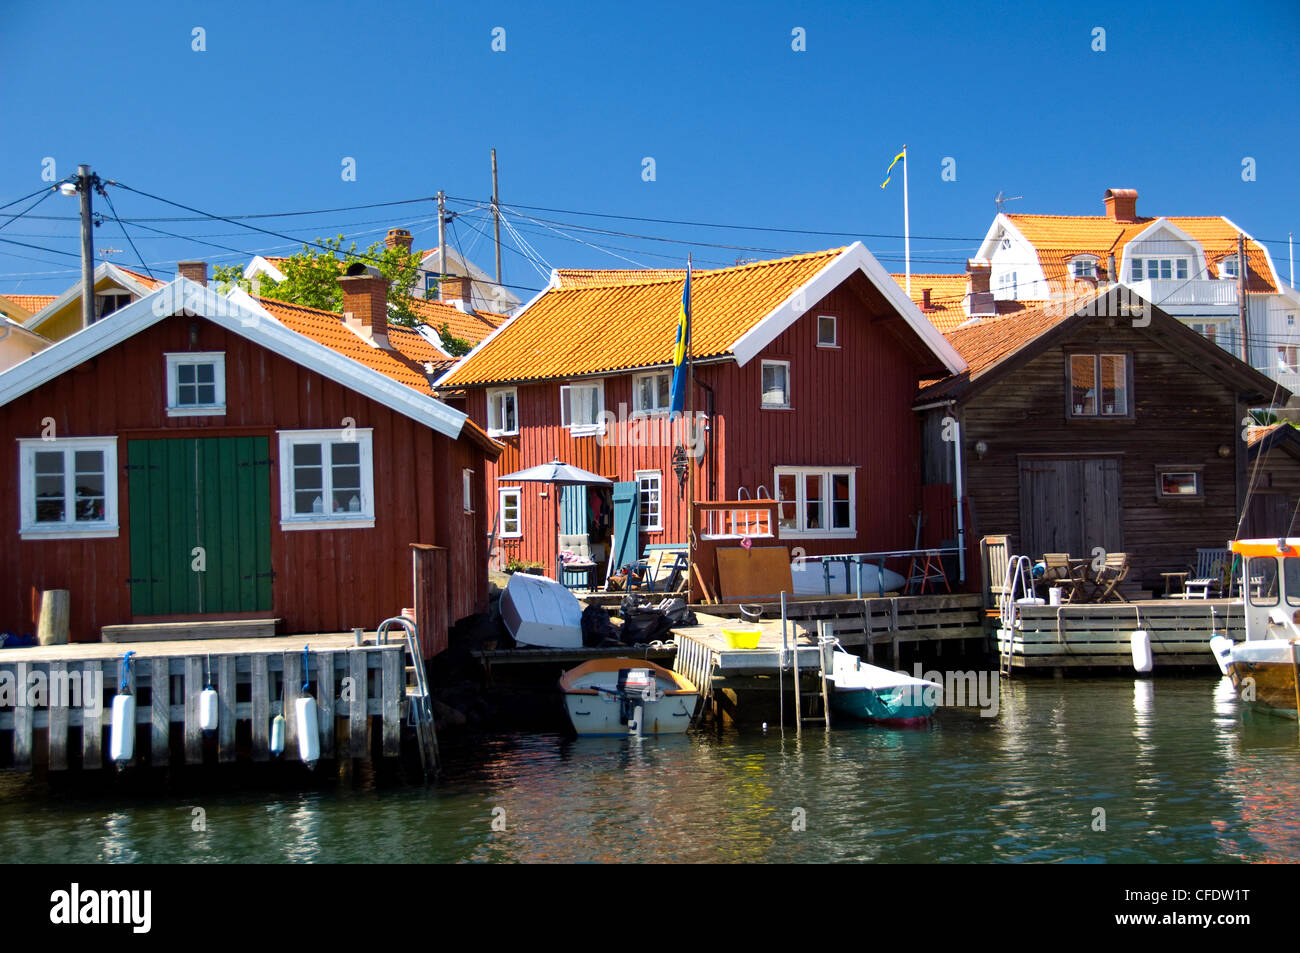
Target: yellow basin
[{"x": 742, "y": 638}]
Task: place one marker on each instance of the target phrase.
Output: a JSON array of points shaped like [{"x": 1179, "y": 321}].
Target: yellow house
[{"x": 115, "y": 288}]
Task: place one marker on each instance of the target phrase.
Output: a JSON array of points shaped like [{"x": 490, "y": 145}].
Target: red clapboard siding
[{"x": 325, "y": 581}]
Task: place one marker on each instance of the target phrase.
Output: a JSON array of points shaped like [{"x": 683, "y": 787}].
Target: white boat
[
  {"x": 809, "y": 576},
  {"x": 619, "y": 696},
  {"x": 1263, "y": 668},
  {"x": 539, "y": 611},
  {"x": 873, "y": 693}
]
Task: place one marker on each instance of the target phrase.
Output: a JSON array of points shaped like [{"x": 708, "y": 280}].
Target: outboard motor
[{"x": 637, "y": 687}]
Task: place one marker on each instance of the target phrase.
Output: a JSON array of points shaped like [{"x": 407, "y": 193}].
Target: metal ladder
[
  {"x": 1019, "y": 576},
  {"x": 419, "y": 710}
]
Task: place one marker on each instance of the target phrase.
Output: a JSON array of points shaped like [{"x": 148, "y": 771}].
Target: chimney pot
[
  {"x": 195, "y": 271},
  {"x": 365, "y": 306},
  {"x": 925, "y": 300},
  {"x": 979, "y": 274},
  {"x": 398, "y": 237},
  {"x": 1121, "y": 205}
]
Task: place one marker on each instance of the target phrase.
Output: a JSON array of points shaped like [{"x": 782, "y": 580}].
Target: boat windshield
[
  {"x": 1263, "y": 575},
  {"x": 1292, "y": 573}
]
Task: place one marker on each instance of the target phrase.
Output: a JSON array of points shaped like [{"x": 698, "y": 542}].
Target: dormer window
[
  {"x": 1228, "y": 267},
  {"x": 1084, "y": 268},
  {"x": 109, "y": 301},
  {"x": 1144, "y": 269},
  {"x": 196, "y": 384}
]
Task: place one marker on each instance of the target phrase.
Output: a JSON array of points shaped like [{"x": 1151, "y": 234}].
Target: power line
[{"x": 140, "y": 258}]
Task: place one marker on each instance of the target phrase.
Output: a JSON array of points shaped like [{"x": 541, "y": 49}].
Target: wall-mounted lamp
[
  {"x": 1225, "y": 451},
  {"x": 981, "y": 448}
]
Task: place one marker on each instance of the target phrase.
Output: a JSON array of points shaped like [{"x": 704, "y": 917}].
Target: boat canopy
[{"x": 1290, "y": 546}]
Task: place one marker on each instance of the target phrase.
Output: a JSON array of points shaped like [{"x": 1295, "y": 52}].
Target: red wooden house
[
  {"x": 806, "y": 368},
  {"x": 199, "y": 457}
]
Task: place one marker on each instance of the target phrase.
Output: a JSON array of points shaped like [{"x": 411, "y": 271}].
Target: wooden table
[{"x": 1169, "y": 585}]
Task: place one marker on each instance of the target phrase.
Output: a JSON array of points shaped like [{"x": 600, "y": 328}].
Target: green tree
[{"x": 456, "y": 347}]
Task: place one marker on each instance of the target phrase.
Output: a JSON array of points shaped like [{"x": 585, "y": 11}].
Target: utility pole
[
  {"x": 442, "y": 240},
  {"x": 496, "y": 213},
  {"x": 1241, "y": 297},
  {"x": 85, "y": 183}
]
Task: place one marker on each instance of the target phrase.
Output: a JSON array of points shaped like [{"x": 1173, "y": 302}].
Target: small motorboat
[
  {"x": 540, "y": 611},
  {"x": 619, "y": 696},
  {"x": 872, "y": 693},
  {"x": 1263, "y": 668}
]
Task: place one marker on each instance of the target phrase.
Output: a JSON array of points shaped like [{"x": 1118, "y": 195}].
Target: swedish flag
[
  {"x": 889, "y": 171},
  {"x": 677, "y": 400}
]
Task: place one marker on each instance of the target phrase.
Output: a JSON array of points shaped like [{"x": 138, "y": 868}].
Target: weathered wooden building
[
  {"x": 1273, "y": 479},
  {"x": 806, "y": 368},
  {"x": 199, "y": 457},
  {"x": 1098, "y": 422}
]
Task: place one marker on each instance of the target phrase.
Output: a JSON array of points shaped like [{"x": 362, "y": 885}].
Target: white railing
[
  {"x": 737, "y": 522},
  {"x": 1205, "y": 291}
]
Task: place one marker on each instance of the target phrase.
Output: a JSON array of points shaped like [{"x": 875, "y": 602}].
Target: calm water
[{"x": 1179, "y": 773}]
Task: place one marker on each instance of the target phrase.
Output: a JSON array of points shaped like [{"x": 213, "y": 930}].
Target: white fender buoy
[
  {"x": 208, "y": 709},
  {"x": 1140, "y": 642},
  {"x": 1221, "y": 646},
  {"x": 304, "y": 707},
  {"x": 121, "y": 739},
  {"x": 277, "y": 735}
]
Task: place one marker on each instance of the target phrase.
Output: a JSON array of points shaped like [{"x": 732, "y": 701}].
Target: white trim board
[
  {"x": 234, "y": 316},
  {"x": 104, "y": 270}
]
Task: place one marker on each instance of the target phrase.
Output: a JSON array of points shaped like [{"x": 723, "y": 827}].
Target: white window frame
[
  {"x": 1099, "y": 412},
  {"x": 467, "y": 489},
  {"x": 28, "y": 528},
  {"x": 1078, "y": 261},
  {"x": 762, "y": 394},
  {"x": 218, "y": 361},
  {"x": 518, "y": 494},
  {"x": 801, "y": 475},
  {"x": 583, "y": 430},
  {"x": 642, "y": 489},
  {"x": 1140, "y": 267},
  {"x": 363, "y": 519},
  {"x": 495, "y": 428},
  {"x": 1228, "y": 268},
  {"x": 636, "y": 393},
  {"x": 835, "y": 330}
]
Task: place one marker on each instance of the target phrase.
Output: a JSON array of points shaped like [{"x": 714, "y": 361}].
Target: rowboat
[
  {"x": 1263, "y": 668},
  {"x": 619, "y": 696},
  {"x": 540, "y": 611},
  {"x": 872, "y": 693}
]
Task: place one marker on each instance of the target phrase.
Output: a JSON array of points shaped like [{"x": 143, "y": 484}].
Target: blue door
[
  {"x": 626, "y": 524},
  {"x": 573, "y": 521}
]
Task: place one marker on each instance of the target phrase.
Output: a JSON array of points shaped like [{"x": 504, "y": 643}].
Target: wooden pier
[
  {"x": 1099, "y": 635},
  {"x": 359, "y": 691}
]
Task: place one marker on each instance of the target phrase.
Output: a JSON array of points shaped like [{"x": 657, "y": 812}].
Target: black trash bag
[
  {"x": 644, "y": 621},
  {"x": 597, "y": 630}
]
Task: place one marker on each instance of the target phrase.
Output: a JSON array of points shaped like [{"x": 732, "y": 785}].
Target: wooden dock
[
  {"x": 1098, "y": 636},
  {"x": 358, "y": 690}
]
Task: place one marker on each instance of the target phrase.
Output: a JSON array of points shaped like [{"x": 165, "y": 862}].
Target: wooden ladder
[{"x": 419, "y": 711}]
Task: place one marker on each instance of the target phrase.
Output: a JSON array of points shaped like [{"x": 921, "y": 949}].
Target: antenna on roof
[
  {"x": 105, "y": 253},
  {"x": 1002, "y": 199}
]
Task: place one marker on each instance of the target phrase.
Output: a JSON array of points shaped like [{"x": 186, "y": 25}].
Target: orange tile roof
[
  {"x": 987, "y": 343},
  {"x": 472, "y": 327},
  {"x": 404, "y": 364},
  {"x": 150, "y": 283},
  {"x": 1059, "y": 238},
  {"x": 587, "y": 277},
  {"x": 569, "y": 332},
  {"x": 947, "y": 297},
  {"x": 32, "y": 303}
]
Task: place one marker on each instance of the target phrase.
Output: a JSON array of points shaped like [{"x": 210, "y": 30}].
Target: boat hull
[
  {"x": 541, "y": 612},
  {"x": 896, "y": 706},
  {"x": 1264, "y": 675},
  {"x": 595, "y": 705}
]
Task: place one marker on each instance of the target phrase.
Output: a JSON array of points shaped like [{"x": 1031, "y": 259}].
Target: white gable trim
[
  {"x": 260, "y": 266},
  {"x": 103, "y": 270},
  {"x": 229, "y": 313},
  {"x": 854, "y": 258}
]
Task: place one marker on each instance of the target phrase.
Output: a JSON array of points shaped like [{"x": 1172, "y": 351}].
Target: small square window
[
  {"x": 68, "y": 487},
  {"x": 581, "y": 406},
  {"x": 1099, "y": 385},
  {"x": 196, "y": 384},
  {"x": 776, "y": 384},
  {"x": 652, "y": 393},
  {"x": 1179, "y": 483},
  {"x": 650, "y": 497},
  {"x": 326, "y": 479},
  {"x": 827, "y": 331},
  {"x": 503, "y": 413},
  {"x": 511, "y": 512}
]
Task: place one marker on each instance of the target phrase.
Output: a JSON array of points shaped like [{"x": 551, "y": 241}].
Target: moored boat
[
  {"x": 1263, "y": 668},
  {"x": 540, "y": 611},
  {"x": 618, "y": 696},
  {"x": 872, "y": 693}
]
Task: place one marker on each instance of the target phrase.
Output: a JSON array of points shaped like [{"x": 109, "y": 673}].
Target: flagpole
[
  {"x": 690, "y": 456},
  {"x": 907, "y": 232}
]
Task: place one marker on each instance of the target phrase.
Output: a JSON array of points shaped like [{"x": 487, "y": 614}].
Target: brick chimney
[
  {"x": 195, "y": 271},
  {"x": 979, "y": 298},
  {"x": 398, "y": 238},
  {"x": 365, "y": 304},
  {"x": 1122, "y": 205},
  {"x": 456, "y": 288},
  {"x": 925, "y": 300}
]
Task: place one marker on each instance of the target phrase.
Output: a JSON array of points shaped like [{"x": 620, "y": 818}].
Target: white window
[
  {"x": 1099, "y": 385},
  {"x": 776, "y": 384},
  {"x": 68, "y": 487},
  {"x": 503, "y": 417},
  {"x": 467, "y": 489},
  {"x": 1163, "y": 268},
  {"x": 816, "y": 501},
  {"x": 326, "y": 479},
  {"x": 1084, "y": 267},
  {"x": 109, "y": 301},
  {"x": 511, "y": 518},
  {"x": 1007, "y": 285},
  {"x": 1228, "y": 267},
  {"x": 196, "y": 384},
  {"x": 581, "y": 406},
  {"x": 827, "y": 331},
  {"x": 650, "y": 495},
  {"x": 651, "y": 393}
]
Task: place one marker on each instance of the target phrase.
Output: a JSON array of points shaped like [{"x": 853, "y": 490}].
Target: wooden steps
[{"x": 184, "y": 631}]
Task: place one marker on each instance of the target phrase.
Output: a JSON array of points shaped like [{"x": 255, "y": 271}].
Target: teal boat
[{"x": 872, "y": 693}]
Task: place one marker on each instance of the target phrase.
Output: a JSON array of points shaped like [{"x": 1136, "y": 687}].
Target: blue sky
[{"x": 743, "y": 129}]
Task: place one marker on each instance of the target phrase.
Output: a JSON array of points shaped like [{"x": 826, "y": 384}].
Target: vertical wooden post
[
  {"x": 60, "y": 699},
  {"x": 160, "y": 688},
  {"x": 92, "y": 724},
  {"x": 394, "y": 687},
  {"x": 52, "y": 626},
  {"x": 260, "y": 706},
  {"x": 358, "y": 705},
  {"x": 429, "y": 578},
  {"x": 293, "y": 679},
  {"x": 22, "y": 720},
  {"x": 325, "y": 701},
  {"x": 193, "y": 732},
  {"x": 226, "y": 708}
]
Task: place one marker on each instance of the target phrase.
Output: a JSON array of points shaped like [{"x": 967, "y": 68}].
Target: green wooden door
[{"x": 200, "y": 525}]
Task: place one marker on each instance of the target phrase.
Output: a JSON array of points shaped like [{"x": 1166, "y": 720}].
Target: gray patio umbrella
[{"x": 557, "y": 474}]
